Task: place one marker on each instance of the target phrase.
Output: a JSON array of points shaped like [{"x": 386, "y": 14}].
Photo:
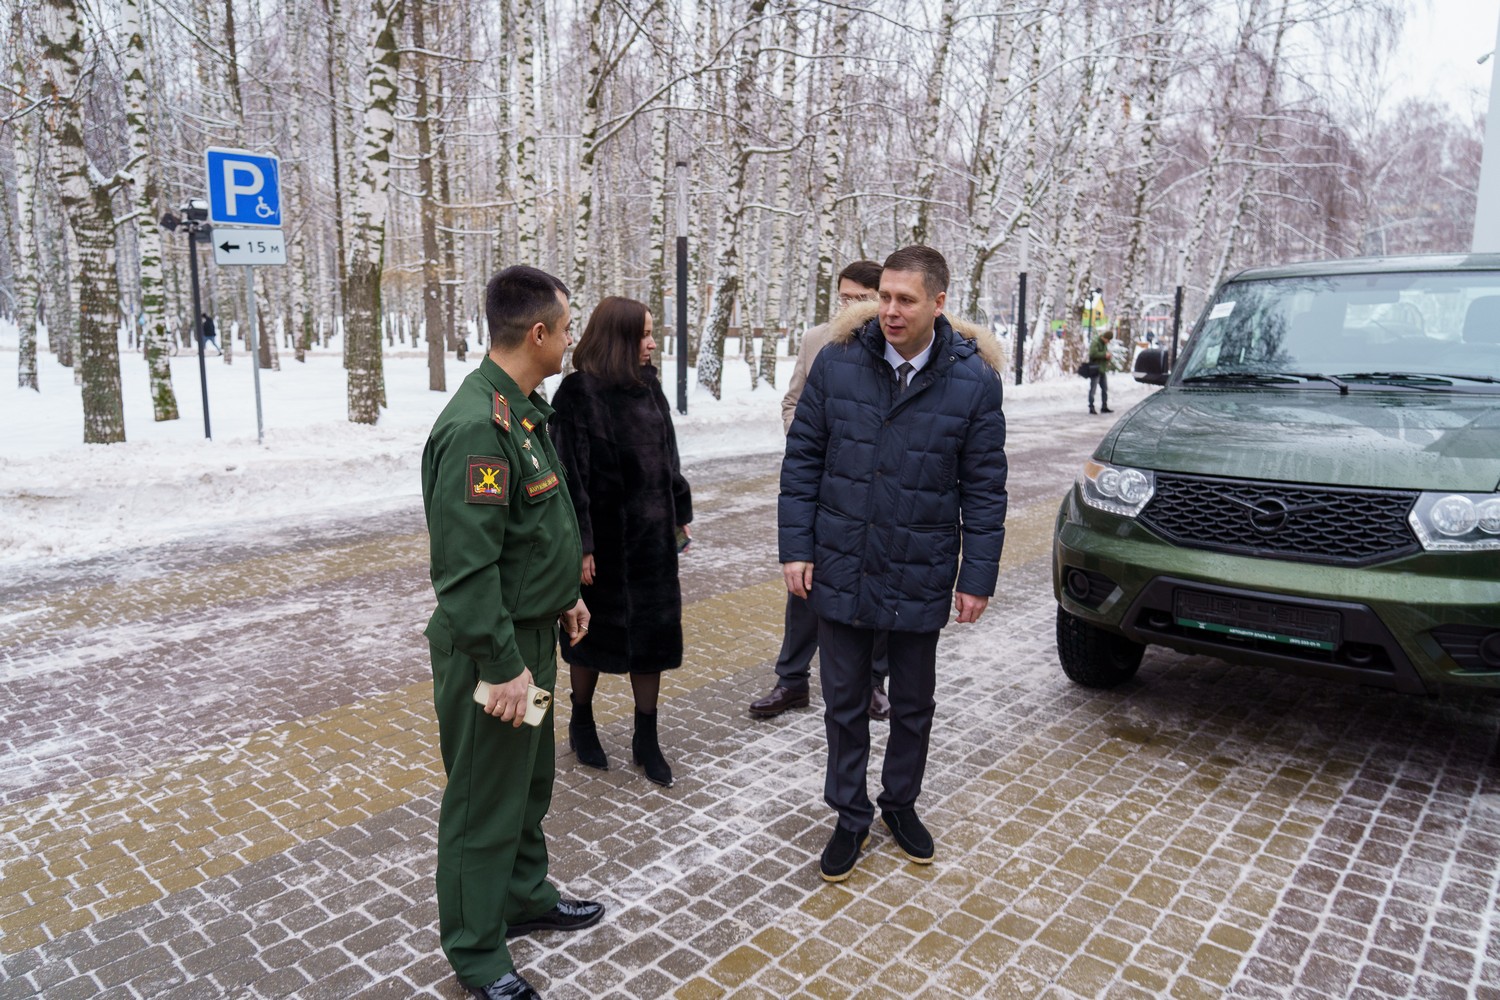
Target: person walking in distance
[
  {"x": 209, "y": 334},
  {"x": 505, "y": 556},
  {"x": 1103, "y": 362},
  {"x": 613, "y": 431},
  {"x": 892, "y": 506},
  {"x": 858, "y": 283}
]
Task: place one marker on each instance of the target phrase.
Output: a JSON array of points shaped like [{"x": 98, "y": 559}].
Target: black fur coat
[{"x": 620, "y": 454}]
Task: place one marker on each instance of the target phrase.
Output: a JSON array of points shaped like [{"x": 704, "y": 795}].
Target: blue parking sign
[{"x": 244, "y": 188}]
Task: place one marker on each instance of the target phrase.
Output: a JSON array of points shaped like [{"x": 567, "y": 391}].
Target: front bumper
[{"x": 1412, "y": 624}]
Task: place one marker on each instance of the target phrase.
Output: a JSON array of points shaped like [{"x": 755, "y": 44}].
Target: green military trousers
[{"x": 491, "y": 858}]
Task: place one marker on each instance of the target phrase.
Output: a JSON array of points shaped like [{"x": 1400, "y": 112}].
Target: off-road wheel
[{"x": 1093, "y": 657}]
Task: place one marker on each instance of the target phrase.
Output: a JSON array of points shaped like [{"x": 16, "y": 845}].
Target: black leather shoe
[
  {"x": 1105, "y": 409},
  {"x": 880, "y": 705},
  {"x": 911, "y": 836},
  {"x": 1092, "y": 410},
  {"x": 842, "y": 852},
  {"x": 779, "y": 700},
  {"x": 567, "y": 915},
  {"x": 510, "y": 986}
]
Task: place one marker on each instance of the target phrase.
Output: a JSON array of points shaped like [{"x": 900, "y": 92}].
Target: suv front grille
[{"x": 1317, "y": 524}]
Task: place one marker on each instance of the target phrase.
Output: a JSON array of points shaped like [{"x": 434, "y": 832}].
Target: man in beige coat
[{"x": 859, "y": 282}]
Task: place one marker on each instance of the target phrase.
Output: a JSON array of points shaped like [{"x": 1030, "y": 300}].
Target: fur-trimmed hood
[{"x": 853, "y": 317}]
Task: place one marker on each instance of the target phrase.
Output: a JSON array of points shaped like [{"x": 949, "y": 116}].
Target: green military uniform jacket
[{"x": 504, "y": 538}]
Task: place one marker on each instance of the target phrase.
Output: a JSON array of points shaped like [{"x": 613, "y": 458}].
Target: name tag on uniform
[
  {"x": 538, "y": 489},
  {"x": 489, "y": 481}
]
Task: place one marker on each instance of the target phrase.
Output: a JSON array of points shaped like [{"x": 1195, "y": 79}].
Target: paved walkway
[{"x": 219, "y": 778}]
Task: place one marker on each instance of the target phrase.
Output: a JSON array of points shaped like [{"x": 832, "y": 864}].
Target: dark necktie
[{"x": 903, "y": 372}]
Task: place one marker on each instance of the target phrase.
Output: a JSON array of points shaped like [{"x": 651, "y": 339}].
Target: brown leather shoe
[
  {"x": 779, "y": 700},
  {"x": 880, "y": 705}
]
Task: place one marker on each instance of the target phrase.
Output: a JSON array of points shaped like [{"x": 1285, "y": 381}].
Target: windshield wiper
[
  {"x": 1266, "y": 378},
  {"x": 1261, "y": 377},
  {"x": 1417, "y": 380}
]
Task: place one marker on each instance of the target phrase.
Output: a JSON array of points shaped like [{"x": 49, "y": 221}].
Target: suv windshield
[{"x": 1422, "y": 329}]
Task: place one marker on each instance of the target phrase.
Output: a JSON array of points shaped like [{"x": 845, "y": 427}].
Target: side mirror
[{"x": 1152, "y": 366}]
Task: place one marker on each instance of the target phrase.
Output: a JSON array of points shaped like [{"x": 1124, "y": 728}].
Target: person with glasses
[{"x": 859, "y": 285}]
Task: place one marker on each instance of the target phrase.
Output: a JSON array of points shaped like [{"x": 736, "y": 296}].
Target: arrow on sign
[{"x": 249, "y": 247}]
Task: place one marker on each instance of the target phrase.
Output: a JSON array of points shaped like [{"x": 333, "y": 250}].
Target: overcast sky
[{"x": 1437, "y": 53}]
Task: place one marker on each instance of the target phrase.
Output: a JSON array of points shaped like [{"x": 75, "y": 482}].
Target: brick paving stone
[{"x": 1203, "y": 830}]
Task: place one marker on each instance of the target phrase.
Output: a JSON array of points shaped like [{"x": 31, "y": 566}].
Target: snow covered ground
[{"x": 63, "y": 499}]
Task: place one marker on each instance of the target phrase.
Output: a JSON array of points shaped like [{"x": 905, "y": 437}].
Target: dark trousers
[
  {"x": 1100, "y": 379},
  {"x": 491, "y": 855},
  {"x": 846, "y": 654},
  {"x": 799, "y": 641}
]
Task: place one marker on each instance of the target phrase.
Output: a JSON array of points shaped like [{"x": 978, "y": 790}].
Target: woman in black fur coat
[{"x": 613, "y": 431}]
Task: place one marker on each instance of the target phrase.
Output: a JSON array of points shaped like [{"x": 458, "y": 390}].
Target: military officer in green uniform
[{"x": 505, "y": 565}]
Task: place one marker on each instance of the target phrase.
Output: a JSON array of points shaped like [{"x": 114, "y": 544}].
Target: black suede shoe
[
  {"x": 779, "y": 700},
  {"x": 510, "y": 986},
  {"x": 583, "y": 737},
  {"x": 911, "y": 836},
  {"x": 842, "y": 852},
  {"x": 567, "y": 915},
  {"x": 646, "y": 751}
]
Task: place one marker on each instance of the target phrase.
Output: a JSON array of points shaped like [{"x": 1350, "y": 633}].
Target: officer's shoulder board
[
  {"x": 488, "y": 480},
  {"x": 502, "y": 412}
]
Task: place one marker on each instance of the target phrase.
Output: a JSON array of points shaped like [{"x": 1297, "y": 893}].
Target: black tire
[{"x": 1091, "y": 656}]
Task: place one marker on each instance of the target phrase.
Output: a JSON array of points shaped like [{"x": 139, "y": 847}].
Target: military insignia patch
[
  {"x": 540, "y": 487},
  {"x": 489, "y": 480},
  {"x": 526, "y": 423},
  {"x": 502, "y": 412}
]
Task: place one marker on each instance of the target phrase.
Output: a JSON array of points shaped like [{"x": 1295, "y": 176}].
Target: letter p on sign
[{"x": 244, "y": 188}]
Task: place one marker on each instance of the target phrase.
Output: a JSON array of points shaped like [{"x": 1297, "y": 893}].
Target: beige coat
[{"x": 813, "y": 341}]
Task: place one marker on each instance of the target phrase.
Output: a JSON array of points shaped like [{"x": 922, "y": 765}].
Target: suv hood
[{"x": 1371, "y": 438}]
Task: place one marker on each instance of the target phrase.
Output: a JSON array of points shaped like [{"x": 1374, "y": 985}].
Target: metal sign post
[
  {"x": 244, "y": 189},
  {"x": 682, "y": 286}
]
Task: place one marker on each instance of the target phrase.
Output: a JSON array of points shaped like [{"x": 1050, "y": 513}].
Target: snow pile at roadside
[{"x": 63, "y": 499}]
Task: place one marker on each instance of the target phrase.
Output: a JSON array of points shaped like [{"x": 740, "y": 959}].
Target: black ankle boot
[
  {"x": 583, "y": 737},
  {"x": 647, "y": 752}
]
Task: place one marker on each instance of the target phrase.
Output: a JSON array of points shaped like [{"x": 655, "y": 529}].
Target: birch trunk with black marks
[
  {"x": 727, "y": 281},
  {"x": 931, "y": 118},
  {"x": 362, "y": 302},
  {"x": 24, "y": 130},
  {"x": 153, "y": 324},
  {"x": 86, "y": 198}
]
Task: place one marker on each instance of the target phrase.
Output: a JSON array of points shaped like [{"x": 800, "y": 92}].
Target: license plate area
[{"x": 1248, "y": 618}]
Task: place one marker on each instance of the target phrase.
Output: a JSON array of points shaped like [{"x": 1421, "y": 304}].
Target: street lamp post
[{"x": 194, "y": 222}]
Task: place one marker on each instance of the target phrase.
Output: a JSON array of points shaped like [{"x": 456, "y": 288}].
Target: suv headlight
[
  {"x": 1457, "y": 521},
  {"x": 1115, "y": 488}
]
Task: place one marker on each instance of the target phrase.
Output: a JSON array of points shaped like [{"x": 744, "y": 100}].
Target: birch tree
[
  {"x": 24, "y": 149},
  {"x": 153, "y": 319},
  {"x": 832, "y": 165},
  {"x": 985, "y": 189},
  {"x": 432, "y": 280},
  {"x": 1154, "y": 68},
  {"x": 727, "y": 278},
  {"x": 86, "y": 194},
  {"x": 362, "y": 300},
  {"x": 930, "y": 118}
]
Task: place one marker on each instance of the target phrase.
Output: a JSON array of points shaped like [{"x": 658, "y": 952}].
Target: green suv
[{"x": 1314, "y": 487}]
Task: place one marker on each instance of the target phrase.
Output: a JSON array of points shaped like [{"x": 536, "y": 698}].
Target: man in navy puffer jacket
[{"x": 892, "y": 504}]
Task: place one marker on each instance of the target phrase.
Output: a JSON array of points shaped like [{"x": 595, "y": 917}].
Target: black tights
[{"x": 645, "y": 686}]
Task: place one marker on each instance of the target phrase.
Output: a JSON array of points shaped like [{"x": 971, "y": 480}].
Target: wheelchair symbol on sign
[{"x": 262, "y": 209}]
